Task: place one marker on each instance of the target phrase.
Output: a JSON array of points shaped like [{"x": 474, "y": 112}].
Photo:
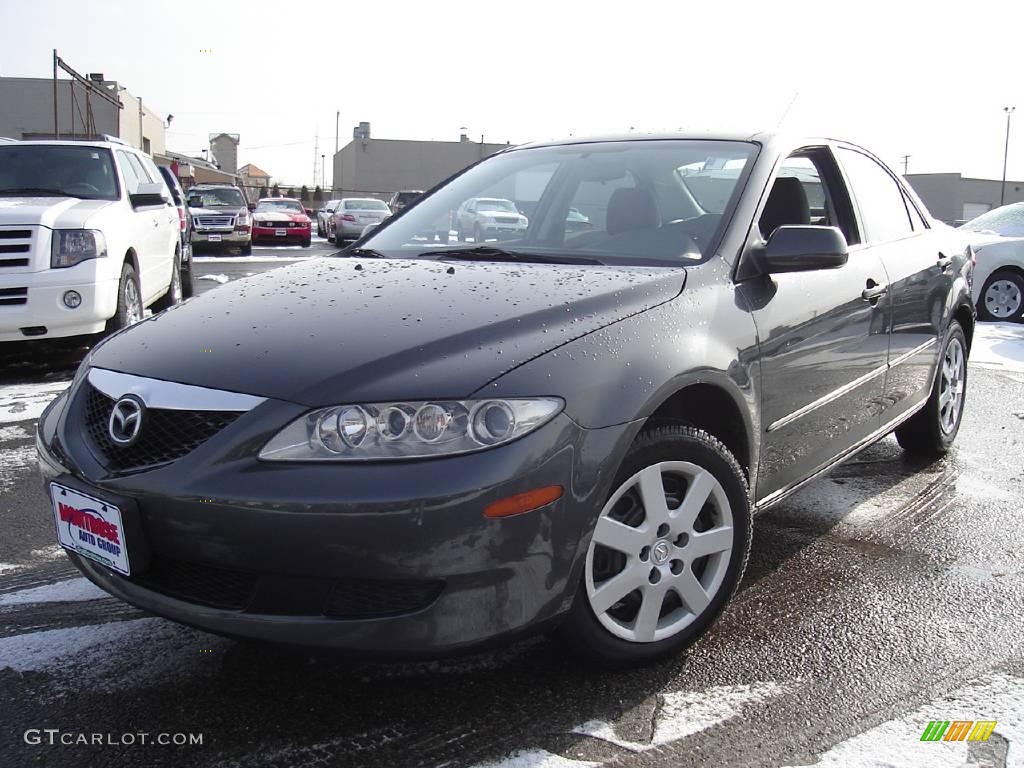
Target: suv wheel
[
  {"x": 173, "y": 297},
  {"x": 188, "y": 286},
  {"x": 1002, "y": 298},
  {"x": 319, "y": 229},
  {"x": 247, "y": 249},
  {"x": 932, "y": 430},
  {"x": 668, "y": 549},
  {"x": 129, "y": 300}
]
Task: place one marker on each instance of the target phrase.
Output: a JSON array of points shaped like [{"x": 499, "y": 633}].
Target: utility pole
[
  {"x": 906, "y": 163},
  {"x": 316, "y": 153},
  {"x": 56, "y": 128},
  {"x": 1006, "y": 152},
  {"x": 337, "y": 119},
  {"x": 323, "y": 171}
]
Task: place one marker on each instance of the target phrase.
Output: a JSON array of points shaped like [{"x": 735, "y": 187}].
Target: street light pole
[{"x": 1006, "y": 151}]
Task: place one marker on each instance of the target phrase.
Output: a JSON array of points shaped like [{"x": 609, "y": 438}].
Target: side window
[
  {"x": 808, "y": 190},
  {"x": 916, "y": 219},
  {"x": 150, "y": 167},
  {"x": 880, "y": 199},
  {"x": 131, "y": 173}
]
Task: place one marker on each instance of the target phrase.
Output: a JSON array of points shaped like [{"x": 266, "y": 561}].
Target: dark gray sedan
[{"x": 418, "y": 448}]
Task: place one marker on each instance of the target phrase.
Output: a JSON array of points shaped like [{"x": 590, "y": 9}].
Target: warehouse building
[
  {"x": 380, "y": 167},
  {"x": 954, "y": 199}
]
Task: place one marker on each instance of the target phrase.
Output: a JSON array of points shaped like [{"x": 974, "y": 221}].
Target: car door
[
  {"x": 920, "y": 276},
  {"x": 140, "y": 222},
  {"x": 166, "y": 232},
  {"x": 823, "y": 343}
]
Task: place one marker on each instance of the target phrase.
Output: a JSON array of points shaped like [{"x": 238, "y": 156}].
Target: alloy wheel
[
  {"x": 176, "y": 284},
  {"x": 951, "y": 385},
  {"x": 1003, "y": 299},
  {"x": 660, "y": 551},
  {"x": 132, "y": 303}
]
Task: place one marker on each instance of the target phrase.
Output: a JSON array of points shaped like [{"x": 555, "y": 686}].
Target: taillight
[
  {"x": 347, "y": 217},
  {"x": 182, "y": 221}
]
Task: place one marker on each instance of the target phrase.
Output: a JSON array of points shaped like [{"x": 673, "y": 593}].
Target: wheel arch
[{"x": 964, "y": 315}]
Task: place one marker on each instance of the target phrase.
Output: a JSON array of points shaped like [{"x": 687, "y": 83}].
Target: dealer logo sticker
[
  {"x": 89, "y": 527},
  {"x": 958, "y": 730}
]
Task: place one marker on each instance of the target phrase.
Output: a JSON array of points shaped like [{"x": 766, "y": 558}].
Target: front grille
[
  {"x": 199, "y": 583},
  {"x": 166, "y": 435},
  {"x": 13, "y": 263},
  {"x": 15, "y": 234},
  {"x": 277, "y": 224},
  {"x": 506, "y": 219},
  {"x": 14, "y": 247},
  {"x": 363, "y": 598},
  {"x": 214, "y": 221},
  {"x": 13, "y": 296},
  {"x": 8, "y": 246}
]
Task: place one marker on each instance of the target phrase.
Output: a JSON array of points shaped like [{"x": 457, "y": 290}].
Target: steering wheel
[{"x": 82, "y": 186}]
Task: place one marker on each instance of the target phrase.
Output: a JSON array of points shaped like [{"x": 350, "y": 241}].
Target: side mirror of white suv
[{"x": 149, "y": 194}]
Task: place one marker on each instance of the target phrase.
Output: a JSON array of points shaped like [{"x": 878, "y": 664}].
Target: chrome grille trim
[{"x": 169, "y": 395}]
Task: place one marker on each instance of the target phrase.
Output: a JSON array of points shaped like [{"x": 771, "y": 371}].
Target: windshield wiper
[
  {"x": 368, "y": 253},
  {"x": 488, "y": 253},
  {"x": 48, "y": 191}
]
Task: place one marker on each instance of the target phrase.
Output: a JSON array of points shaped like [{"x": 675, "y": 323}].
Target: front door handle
[
  {"x": 874, "y": 291},
  {"x": 944, "y": 262}
]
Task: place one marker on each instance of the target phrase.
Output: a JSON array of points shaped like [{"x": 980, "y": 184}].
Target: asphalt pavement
[{"x": 881, "y": 597}]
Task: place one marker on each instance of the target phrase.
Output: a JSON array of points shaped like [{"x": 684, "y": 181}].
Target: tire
[
  {"x": 687, "y": 461},
  {"x": 307, "y": 242},
  {"x": 175, "y": 291},
  {"x": 478, "y": 236},
  {"x": 339, "y": 239},
  {"x": 931, "y": 431},
  {"x": 319, "y": 230},
  {"x": 129, "y": 300},
  {"x": 1002, "y": 297},
  {"x": 459, "y": 233},
  {"x": 188, "y": 285},
  {"x": 247, "y": 249}
]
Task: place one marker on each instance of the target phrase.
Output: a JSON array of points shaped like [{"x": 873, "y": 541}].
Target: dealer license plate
[
  {"x": 280, "y": 232},
  {"x": 214, "y": 238},
  {"x": 89, "y": 527}
]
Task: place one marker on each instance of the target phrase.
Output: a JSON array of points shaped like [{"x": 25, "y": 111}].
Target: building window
[
  {"x": 145, "y": 146},
  {"x": 974, "y": 210}
]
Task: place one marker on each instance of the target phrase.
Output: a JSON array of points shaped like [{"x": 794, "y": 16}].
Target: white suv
[{"x": 89, "y": 238}]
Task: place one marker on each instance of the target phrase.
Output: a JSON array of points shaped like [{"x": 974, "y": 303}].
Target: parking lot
[{"x": 881, "y": 597}]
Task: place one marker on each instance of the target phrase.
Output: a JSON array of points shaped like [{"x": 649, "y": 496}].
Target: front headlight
[
  {"x": 69, "y": 247},
  {"x": 408, "y": 430}
]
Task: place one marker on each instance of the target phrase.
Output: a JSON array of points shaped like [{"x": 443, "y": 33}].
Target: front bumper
[
  {"x": 292, "y": 233},
  {"x": 221, "y": 237},
  {"x": 44, "y": 305},
  {"x": 326, "y": 548}
]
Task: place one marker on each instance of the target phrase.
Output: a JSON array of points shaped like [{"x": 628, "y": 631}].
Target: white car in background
[
  {"x": 354, "y": 215},
  {"x": 998, "y": 241},
  {"x": 489, "y": 217},
  {"x": 323, "y": 219},
  {"x": 89, "y": 237}
]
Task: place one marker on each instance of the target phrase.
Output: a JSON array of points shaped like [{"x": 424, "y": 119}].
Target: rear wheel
[
  {"x": 668, "y": 549},
  {"x": 129, "y": 300},
  {"x": 1002, "y": 297},
  {"x": 932, "y": 430},
  {"x": 188, "y": 286},
  {"x": 319, "y": 229}
]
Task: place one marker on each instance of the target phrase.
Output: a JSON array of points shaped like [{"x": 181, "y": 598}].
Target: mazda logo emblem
[{"x": 126, "y": 420}]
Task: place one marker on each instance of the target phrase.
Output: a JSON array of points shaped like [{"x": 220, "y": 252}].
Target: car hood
[
  {"x": 66, "y": 212},
  {"x": 336, "y": 330},
  {"x": 225, "y": 210},
  {"x": 279, "y": 216}
]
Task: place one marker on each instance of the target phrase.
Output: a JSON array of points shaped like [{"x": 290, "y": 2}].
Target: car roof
[
  {"x": 288, "y": 199},
  {"x": 98, "y": 143},
  {"x": 754, "y": 136}
]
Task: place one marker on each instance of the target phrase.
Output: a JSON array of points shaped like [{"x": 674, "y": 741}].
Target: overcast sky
[{"x": 923, "y": 79}]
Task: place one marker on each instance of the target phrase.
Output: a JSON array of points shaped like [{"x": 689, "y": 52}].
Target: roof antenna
[{"x": 785, "y": 112}]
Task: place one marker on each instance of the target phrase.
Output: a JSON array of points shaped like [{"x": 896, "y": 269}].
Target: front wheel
[
  {"x": 1002, "y": 297},
  {"x": 931, "y": 431},
  {"x": 306, "y": 243},
  {"x": 668, "y": 549},
  {"x": 247, "y": 249},
  {"x": 129, "y": 300}
]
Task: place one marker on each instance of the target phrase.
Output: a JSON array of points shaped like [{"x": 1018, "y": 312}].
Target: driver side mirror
[
  {"x": 802, "y": 248},
  {"x": 149, "y": 194},
  {"x": 251, "y": 206}
]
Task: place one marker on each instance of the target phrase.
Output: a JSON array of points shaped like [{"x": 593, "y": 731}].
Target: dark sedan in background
[{"x": 413, "y": 451}]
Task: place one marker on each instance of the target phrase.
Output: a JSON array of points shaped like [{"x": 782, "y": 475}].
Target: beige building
[
  {"x": 952, "y": 198},
  {"x": 380, "y": 167},
  {"x": 26, "y": 112}
]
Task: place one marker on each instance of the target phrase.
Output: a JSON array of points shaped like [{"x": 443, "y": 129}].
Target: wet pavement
[{"x": 882, "y": 596}]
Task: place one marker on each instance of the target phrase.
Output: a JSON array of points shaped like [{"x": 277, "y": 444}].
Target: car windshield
[
  {"x": 1007, "y": 221},
  {"x": 365, "y": 205},
  {"x": 623, "y": 202},
  {"x": 59, "y": 171},
  {"x": 228, "y": 197},
  {"x": 289, "y": 206},
  {"x": 404, "y": 198}
]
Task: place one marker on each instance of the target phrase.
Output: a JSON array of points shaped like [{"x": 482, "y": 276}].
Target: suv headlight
[
  {"x": 408, "y": 430},
  {"x": 69, "y": 247}
]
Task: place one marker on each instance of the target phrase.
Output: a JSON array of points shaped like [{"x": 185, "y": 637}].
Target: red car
[{"x": 281, "y": 219}]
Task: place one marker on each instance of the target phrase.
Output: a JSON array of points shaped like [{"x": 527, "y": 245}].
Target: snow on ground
[
  {"x": 15, "y": 464},
  {"x": 254, "y": 259},
  {"x": 999, "y": 346},
  {"x": 72, "y": 590},
  {"x": 218, "y": 278},
  {"x": 681, "y": 714},
  {"x": 22, "y": 402},
  {"x": 898, "y": 742},
  {"x": 16, "y": 432}
]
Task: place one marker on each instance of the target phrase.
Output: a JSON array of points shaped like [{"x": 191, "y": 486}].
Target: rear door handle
[
  {"x": 874, "y": 291},
  {"x": 944, "y": 261}
]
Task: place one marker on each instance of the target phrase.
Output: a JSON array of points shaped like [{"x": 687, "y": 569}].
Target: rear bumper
[{"x": 399, "y": 563}]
